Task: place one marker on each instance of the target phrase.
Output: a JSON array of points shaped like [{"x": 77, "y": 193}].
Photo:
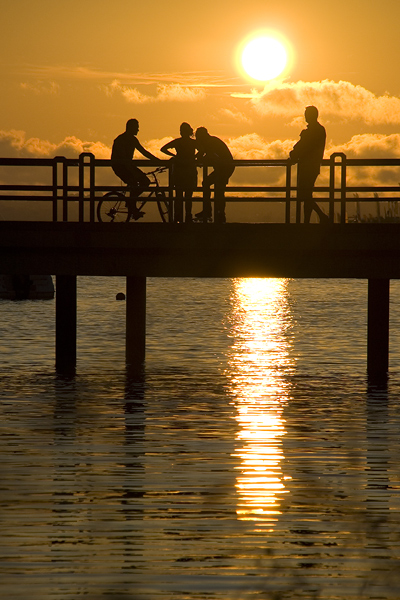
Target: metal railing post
[
  {"x": 83, "y": 188},
  {"x": 58, "y": 160},
  {"x": 332, "y": 187},
  {"x": 341, "y": 163},
  {"x": 288, "y": 191},
  {"x": 92, "y": 188},
  {"x": 298, "y": 201},
  {"x": 65, "y": 191},
  {"x": 205, "y": 173},
  {"x": 343, "y": 179},
  {"x": 171, "y": 206}
]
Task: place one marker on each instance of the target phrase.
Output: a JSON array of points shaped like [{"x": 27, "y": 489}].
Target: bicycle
[{"x": 113, "y": 205}]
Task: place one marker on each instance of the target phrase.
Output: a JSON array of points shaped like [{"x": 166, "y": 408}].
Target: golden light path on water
[{"x": 257, "y": 365}]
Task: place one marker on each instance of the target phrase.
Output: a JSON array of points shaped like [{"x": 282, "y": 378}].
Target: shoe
[
  {"x": 136, "y": 214},
  {"x": 203, "y": 216}
]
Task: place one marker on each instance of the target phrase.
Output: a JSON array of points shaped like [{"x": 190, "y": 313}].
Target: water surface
[{"x": 251, "y": 460}]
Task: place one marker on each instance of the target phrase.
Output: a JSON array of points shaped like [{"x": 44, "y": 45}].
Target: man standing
[
  {"x": 213, "y": 151},
  {"x": 121, "y": 162},
  {"x": 308, "y": 153}
]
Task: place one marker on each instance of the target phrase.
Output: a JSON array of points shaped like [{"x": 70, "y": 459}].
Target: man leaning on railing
[{"x": 308, "y": 153}]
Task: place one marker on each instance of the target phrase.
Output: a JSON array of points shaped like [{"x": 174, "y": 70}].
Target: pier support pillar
[
  {"x": 378, "y": 328},
  {"x": 135, "y": 321},
  {"x": 66, "y": 313}
]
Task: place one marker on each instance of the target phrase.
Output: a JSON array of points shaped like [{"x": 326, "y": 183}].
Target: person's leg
[
  {"x": 219, "y": 202},
  {"x": 138, "y": 182},
  {"x": 178, "y": 212},
  {"x": 221, "y": 179},
  {"x": 323, "y": 218},
  {"x": 188, "y": 206},
  {"x": 207, "y": 183},
  {"x": 305, "y": 186},
  {"x": 306, "y": 196}
]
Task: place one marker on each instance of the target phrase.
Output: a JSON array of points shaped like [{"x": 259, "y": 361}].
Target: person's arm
[
  {"x": 166, "y": 148},
  {"x": 294, "y": 154},
  {"x": 300, "y": 147},
  {"x": 145, "y": 152}
]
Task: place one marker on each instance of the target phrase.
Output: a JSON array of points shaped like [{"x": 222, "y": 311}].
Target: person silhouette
[
  {"x": 308, "y": 153},
  {"x": 213, "y": 151},
  {"x": 122, "y": 152},
  {"x": 184, "y": 171}
]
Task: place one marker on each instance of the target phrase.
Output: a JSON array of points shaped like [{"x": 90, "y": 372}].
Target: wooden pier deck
[{"x": 365, "y": 251}]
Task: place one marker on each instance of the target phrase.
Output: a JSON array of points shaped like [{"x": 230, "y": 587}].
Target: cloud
[
  {"x": 177, "y": 93},
  {"x": 14, "y": 144},
  {"x": 165, "y": 93},
  {"x": 253, "y": 147},
  {"x": 370, "y": 145},
  {"x": 186, "y": 78},
  {"x": 235, "y": 115},
  {"x": 342, "y": 100},
  {"x": 41, "y": 87},
  {"x": 129, "y": 93},
  {"x": 154, "y": 146}
]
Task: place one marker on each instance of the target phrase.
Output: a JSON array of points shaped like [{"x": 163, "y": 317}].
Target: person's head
[
  {"x": 132, "y": 126},
  {"x": 311, "y": 114},
  {"x": 186, "y": 130},
  {"x": 202, "y": 134}
]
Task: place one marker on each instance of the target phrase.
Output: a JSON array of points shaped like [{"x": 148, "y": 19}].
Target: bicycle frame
[{"x": 113, "y": 206}]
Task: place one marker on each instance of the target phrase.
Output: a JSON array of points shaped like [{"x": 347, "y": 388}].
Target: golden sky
[{"x": 73, "y": 72}]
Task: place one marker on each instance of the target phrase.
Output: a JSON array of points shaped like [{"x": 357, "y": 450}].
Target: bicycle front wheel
[{"x": 112, "y": 208}]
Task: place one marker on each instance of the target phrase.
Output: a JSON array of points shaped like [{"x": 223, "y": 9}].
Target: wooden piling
[
  {"x": 66, "y": 318},
  {"x": 378, "y": 328},
  {"x": 135, "y": 321}
]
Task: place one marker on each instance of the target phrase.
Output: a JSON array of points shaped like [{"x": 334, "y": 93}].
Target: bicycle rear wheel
[
  {"x": 112, "y": 208},
  {"x": 162, "y": 205}
]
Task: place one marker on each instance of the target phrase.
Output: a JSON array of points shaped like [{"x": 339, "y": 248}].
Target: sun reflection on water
[{"x": 258, "y": 366}]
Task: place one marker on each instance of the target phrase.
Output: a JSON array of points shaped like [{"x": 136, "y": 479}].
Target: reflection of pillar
[
  {"x": 63, "y": 481},
  {"x": 66, "y": 323},
  {"x": 133, "y": 487},
  {"x": 378, "y": 327},
  {"x": 135, "y": 320},
  {"x": 378, "y": 490},
  {"x": 134, "y": 436}
]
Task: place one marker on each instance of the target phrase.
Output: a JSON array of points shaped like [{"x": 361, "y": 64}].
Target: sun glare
[
  {"x": 257, "y": 364},
  {"x": 264, "y": 58}
]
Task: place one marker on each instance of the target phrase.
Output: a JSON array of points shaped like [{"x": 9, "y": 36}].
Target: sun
[{"x": 264, "y": 58}]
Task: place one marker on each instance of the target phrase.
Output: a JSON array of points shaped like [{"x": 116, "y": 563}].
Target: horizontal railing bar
[
  {"x": 243, "y": 199},
  {"x": 28, "y": 188},
  {"x": 113, "y": 188},
  {"x": 106, "y": 162},
  {"x": 30, "y": 162}
]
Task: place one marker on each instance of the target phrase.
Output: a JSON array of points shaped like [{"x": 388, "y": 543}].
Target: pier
[{"x": 71, "y": 243}]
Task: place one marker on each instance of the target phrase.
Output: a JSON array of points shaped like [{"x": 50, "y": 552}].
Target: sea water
[{"x": 253, "y": 459}]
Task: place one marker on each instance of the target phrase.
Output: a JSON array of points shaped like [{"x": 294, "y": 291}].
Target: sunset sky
[{"x": 73, "y": 72}]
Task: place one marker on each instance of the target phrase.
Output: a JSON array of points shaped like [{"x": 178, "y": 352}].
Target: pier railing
[{"x": 65, "y": 189}]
